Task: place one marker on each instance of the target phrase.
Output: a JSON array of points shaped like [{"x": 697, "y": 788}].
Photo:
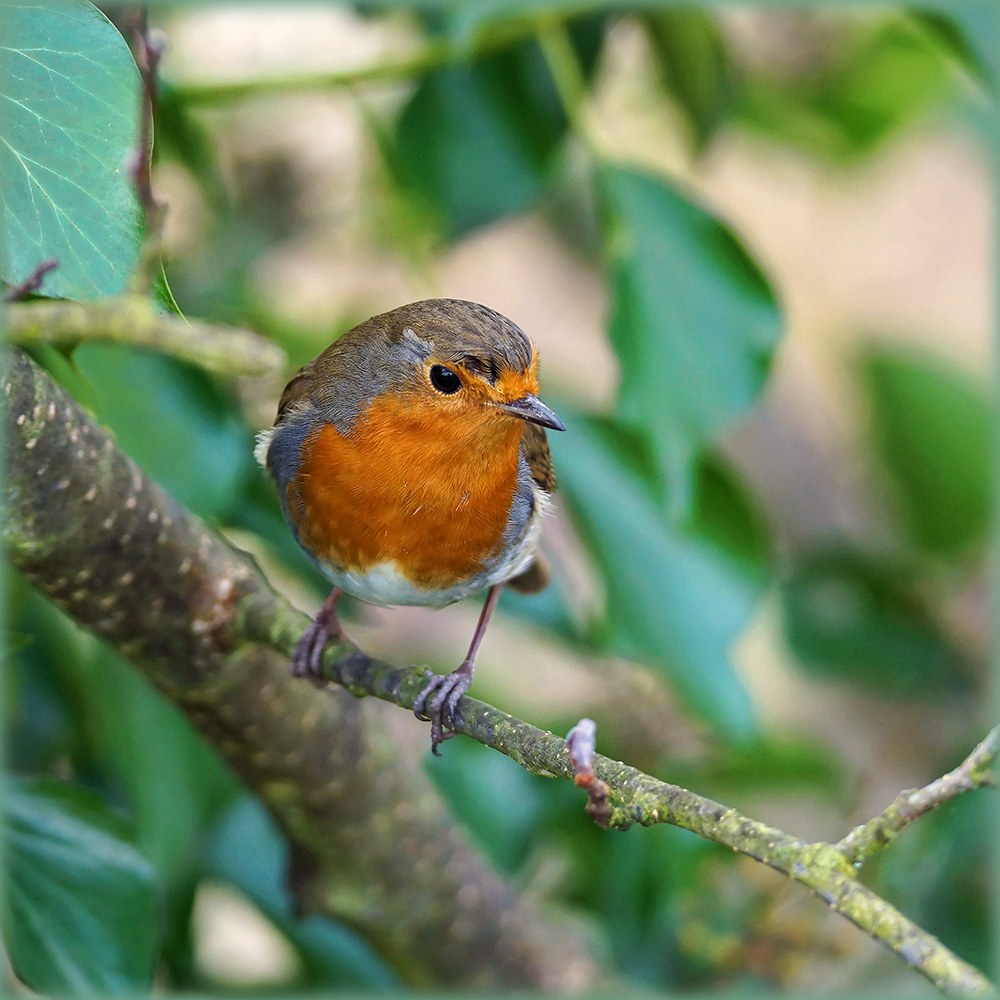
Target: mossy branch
[
  {"x": 134, "y": 319},
  {"x": 102, "y": 541},
  {"x": 880, "y": 831}
]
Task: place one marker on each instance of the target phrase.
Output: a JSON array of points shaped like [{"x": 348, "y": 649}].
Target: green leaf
[
  {"x": 174, "y": 782},
  {"x": 694, "y": 321},
  {"x": 476, "y": 141},
  {"x": 496, "y": 799},
  {"x": 673, "y": 602},
  {"x": 861, "y": 619},
  {"x": 696, "y": 67},
  {"x": 80, "y": 914},
  {"x": 725, "y": 514},
  {"x": 70, "y": 128},
  {"x": 969, "y": 32},
  {"x": 878, "y": 82},
  {"x": 768, "y": 764},
  {"x": 934, "y": 430},
  {"x": 173, "y": 420}
]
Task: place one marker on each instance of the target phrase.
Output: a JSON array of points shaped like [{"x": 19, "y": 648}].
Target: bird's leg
[
  {"x": 309, "y": 649},
  {"x": 449, "y": 688}
]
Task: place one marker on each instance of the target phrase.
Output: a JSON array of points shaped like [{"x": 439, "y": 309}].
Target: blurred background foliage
[{"x": 771, "y": 550}]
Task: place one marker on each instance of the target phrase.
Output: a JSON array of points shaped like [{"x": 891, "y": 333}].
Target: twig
[
  {"x": 581, "y": 741},
  {"x": 32, "y": 283},
  {"x": 635, "y": 797},
  {"x": 133, "y": 319},
  {"x": 910, "y": 805},
  {"x": 147, "y": 48},
  {"x": 191, "y": 613},
  {"x": 436, "y": 54}
]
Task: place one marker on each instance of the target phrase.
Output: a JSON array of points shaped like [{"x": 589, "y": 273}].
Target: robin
[{"x": 412, "y": 468}]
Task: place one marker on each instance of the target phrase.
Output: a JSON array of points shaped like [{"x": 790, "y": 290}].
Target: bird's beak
[{"x": 532, "y": 409}]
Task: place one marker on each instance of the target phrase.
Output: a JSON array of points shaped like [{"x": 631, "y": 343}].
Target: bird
[{"x": 412, "y": 467}]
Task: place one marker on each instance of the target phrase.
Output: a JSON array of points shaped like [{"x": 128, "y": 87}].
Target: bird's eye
[{"x": 445, "y": 380}]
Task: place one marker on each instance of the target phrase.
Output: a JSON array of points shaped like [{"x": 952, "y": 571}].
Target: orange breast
[{"x": 411, "y": 484}]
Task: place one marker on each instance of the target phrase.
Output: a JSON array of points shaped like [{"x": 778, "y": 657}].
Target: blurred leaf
[
  {"x": 248, "y": 851},
  {"x": 970, "y": 32},
  {"x": 881, "y": 82},
  {"x": 40, "y": 724},
  {"x": 70, "y": 130},
  {"x": 696, "y": 66},
  {"x": 768, "y": 763},
  {"x": 859, "y": 619},
  {"x": 725, "y": 514},
  {"x": 476, "y": 141},
  {"x": 494, "y": 797},
  {"x": 181, "y": 136},
  {"x": 939, "y": 873},
  {"x": 672, "y": 601},
  {"x": 174, "y": 782},
  {"x": 173, "y": 421},
  {"x": 933, "y": 428},
  {"x": 693, "y": 321},
  {"x": 162, "y": 294},
  {"x": 80, "y": 914}
]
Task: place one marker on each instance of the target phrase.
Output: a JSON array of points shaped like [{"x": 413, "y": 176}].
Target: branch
[
  {"x": 199, "y": 620},
  {"x": 32, "y": 283},
  {"x": 134, "y": 319},
  {"x": 436, "y": 54},
  {"x": 974, "y": 772},
  {"x": 147, "y": 49},
  {"x": 372, "y": 844}
]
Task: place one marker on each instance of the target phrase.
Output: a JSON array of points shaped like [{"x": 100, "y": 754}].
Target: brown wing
[
  {"x": 299, "y": 386},
  {"x": 535, "y": 578},
  {"x": 536, "y": 451}
]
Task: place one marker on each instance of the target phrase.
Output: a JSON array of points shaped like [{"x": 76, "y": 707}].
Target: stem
[
  {"x": 910, "y": 805},
  {"x": 133, "y": 319}
]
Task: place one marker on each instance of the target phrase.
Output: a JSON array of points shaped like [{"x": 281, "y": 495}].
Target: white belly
[{"x": 384, "y": 584}]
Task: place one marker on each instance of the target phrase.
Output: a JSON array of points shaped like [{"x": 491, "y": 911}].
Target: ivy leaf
[
  {"x": 476, "y": 141},
  {"x": 673, "y": 601},
  {"x": 934, "y": 430},
  {"x": 70, "y": 127},
  {"x": 79, "y": 913},
  {"x": 694, "y": 321}
]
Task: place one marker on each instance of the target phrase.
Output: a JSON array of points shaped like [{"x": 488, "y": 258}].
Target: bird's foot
[
  {"x": 446, "y": 689},
  {"x": 308, "y": 654}
]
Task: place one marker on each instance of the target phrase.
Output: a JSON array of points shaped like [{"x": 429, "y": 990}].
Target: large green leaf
[
  {"x": 70, "y": 132},
  {"x": 174, "y": 782},
  {"x": 694, "y": 321},
  {"x": 80, "y": 915},
  {"x": 861, "y": 619},
  {"x": 173, "y": 420},
  {"x": 476, "y": 141},
  {"x": 673, "y": 602},
  {"x": 933, "y": 427}
]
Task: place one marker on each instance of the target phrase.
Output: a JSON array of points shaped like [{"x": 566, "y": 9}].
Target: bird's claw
[
  {"x": 443, "y": 708},
  {"x": 308, "y": 654}
]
